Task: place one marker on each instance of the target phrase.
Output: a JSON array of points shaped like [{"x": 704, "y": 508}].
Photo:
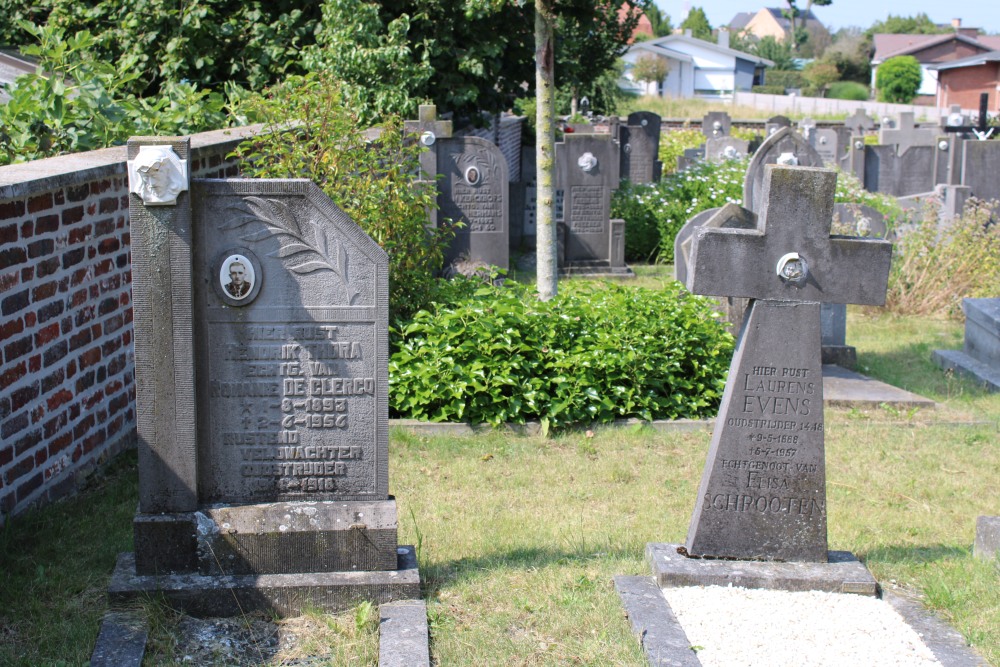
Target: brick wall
[
  {"x": 963, "y": 86},
  {"x": 67, "y": 390}
]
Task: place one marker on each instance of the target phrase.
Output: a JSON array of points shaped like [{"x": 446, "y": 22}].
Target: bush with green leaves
[
  {"x": 595, "y": 353},
  {"x": 848, "y": 90},
  {"x": 310, "y": 133},
  {"x": 82, "y": 103},
  {"x": 898, "y": 79},
  {"x": 669, "y": 204}
]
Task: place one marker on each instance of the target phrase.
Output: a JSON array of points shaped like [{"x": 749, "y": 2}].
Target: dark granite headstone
[
  {"x": 763, "y": 492},
  {"x": 587, "y": 172},
  {"x": 428, "y": 129},
  {"x": 859, "y": 122},
  {"x": 827, "y": 144},
  {"x": 639, "y": 140},
  {"x": 775, "y": 123},
  {"x": 261, "y": 344},
  {"x": 907, "y": 134},
  {"x": 473, "y": 189},
  {"x": 716, "y": 124},
  {"x": 726, "y": 148},
  {"x": 981, "y": 168}
]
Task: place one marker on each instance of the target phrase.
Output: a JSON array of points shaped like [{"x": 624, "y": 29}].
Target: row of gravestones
[{"x": 261, "y": 349}]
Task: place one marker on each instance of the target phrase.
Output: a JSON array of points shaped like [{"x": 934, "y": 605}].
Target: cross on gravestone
[
  {"x": 716, "y": 124},
  {"x": 784, "y": 146},
  {"x": 907, "y": 134},
  {"x": 763, "y": 491},
  {"x": 261, "y": 346},
  {"x": 859, "y": 122},
  {"x": 428, "y": 129}
]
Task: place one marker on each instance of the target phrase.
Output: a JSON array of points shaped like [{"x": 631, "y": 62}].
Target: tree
[
  {"x": 920, "y": 24},
  {"x": 849, "y": 53},
  {"x": 651, "y": 69},
  {"x": 797, "y": 33},
  {"x": 547, "y": 260},
  {"x": 659, "y": 21},
  {"x": 697, "y": 22},
  {"x": 780, "y": 53},
  {"x": 820, "y": 75},
  {"x": 898, "y": 79}
]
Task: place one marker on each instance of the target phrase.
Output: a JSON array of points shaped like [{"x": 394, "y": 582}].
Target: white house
[{"x": 697, "y": 68}]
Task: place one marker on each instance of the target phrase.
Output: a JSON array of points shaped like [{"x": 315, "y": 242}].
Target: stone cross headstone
[
  {"x": 726, "y": 148},
  {"x": 763, "y": 491},
  {"x": 859, "y": 122},
  {"x": 428, "y": 129},
  {"x": 785, "y": 146},
  {"x": 587, "y": 172},
  {"x": 639, "y": 140},
  {"x": 907, "y": 134},
  {"x": 775, "y": 123},
  {"x": 261, "y": 346},
  {"x": 716, "y": 124},
  {"x": 473, "y": 189}
]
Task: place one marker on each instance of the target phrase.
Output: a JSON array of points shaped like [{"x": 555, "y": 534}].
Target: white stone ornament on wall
[{"x": 158, "y": 175}]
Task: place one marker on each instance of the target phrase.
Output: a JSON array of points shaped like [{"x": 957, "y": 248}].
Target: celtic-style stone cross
[{"x": 763, "y": 491}]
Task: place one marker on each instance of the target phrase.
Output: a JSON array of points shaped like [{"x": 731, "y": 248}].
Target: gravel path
[{"x": 737, "y": 627}]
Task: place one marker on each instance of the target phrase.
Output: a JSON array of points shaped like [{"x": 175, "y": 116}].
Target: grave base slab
[
  {"x": 963, "y": 364},
  {"x": 842, "y": 574},
  {"x": 840, "y": 355},
  {"x": 284, "y": 594},
  {"x": 596, "y": 269}
]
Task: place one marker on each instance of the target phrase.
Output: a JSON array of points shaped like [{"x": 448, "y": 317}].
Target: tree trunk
[{"x": 547, "y": 260}]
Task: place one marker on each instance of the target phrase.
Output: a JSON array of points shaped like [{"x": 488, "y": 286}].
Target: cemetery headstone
[
  {"x": 859, "y": 122},
  {"x": 689, "y": 157},
  {"x": 261, "y": 346},
  {"x": 827, "y": 144},
  {"x": 639, "y": 140},
  {"x": 763, "y": 492},
  {"x": 726, "y": 148},
  {"x": 980, "y": 162},
  {"x": 428, "y": 129},
  {"x": 775, "y": 123},
  {"x": 784, "y": 146},
  {"x": 907, "y": 134},
  {"x": 979, "y": 358},
  {"x": 473, "y": 189},
  {"x": 955, "y": 117},
  {"x": 587, "y": 172},
  {"x": 716, "y": 124}
]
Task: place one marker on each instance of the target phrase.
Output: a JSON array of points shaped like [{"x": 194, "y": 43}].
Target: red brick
[
  {"x": 91, "y": 208},
  {"x": 55, "y": 352},
  {"x": 27, "y": 229},
  {"x": 73, "y": 257},
  {"x": 114, "y": 323},
  {"x": 115, "y": 425},
  {"x": 8, "y": 233},
  {"x": 90, "y": 357},
  {"x": 12, "y": 257},
  {"x": 78, "y": 192},
  {"x": 60, "y": 443},
  {"x": 8, "y": 280},
  {"x": 97, "y": 187},
  {"x": 90, "y": 402},
  {"x": 40, "y": 203},
  {"x": 53, "y": 380},
  {"x": 40, "y": 248},
  {"x": 58, "y": 399},
  {"x": 79, "y": 339},
  {"x": 71, "y": 216},
  {"x": 30, "y": 319},
  {"x": 12, "y": 374},
  {"x": 85, "y": 381},
  {"x": 40, "y": 456},
  {"x": 94, "y": 441},
  {"x": 77, "y": 298},
  {"x": 19, "y": 469},
  {"x": 109, "y": 205},
  {"x": 79, "y": 234},
  {"x": 17, "y": 349},
  {"x": 35, "y": 363},
  {"x": 15, "y": 302},
  {"x": 103, "y": 267},
  {"x": 11, "y": 328},
  {"x": 46, "y": 334},
  {"x": 104, "y": 227},
  {"x": 15, "y": 424},
  {"x": 23, "y": 396},
  {"x": 48, "y": 267},
  {"x": 6, "y": 455},
  {"x": 83, "y": 426},
  {"x": 44, "y": 291},
  {"x": 50, "y": 311},
  {"x": 71, "y": 368},
  {"x": 37, "y": 413},
  {"x": 12, "y": 209},
  {"x": 25, "y": 490},
  {"x": 66, "y": 324},
  {"x": 27, "y": 273},
  {"x": 108, "y": 305},
  {"x": 47, "y": 223}
]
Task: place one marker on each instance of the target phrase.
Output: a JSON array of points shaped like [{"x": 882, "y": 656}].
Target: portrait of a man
[{"x": 240, "y": 277}]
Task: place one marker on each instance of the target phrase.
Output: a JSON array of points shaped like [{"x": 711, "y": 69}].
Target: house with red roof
[
  {"x": 933, "y": 52},
  {"x": 963, "y": 81}
]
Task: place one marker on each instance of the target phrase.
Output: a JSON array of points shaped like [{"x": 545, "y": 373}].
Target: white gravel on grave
[{"x": 739, "y": 627}]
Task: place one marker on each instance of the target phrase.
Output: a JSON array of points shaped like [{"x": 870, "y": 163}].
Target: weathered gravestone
[
  {"x": 726, "y": 148},
  {"x": 763, "y": 492},
  {"x": 640, "y": 145},
  {"x": 785, "y": 146},
  {"x": 261, "y": 346},
  {"x": 775, "y": 123},
  {"x": 428, "y": 129},
  {"x": 859, "y": 122},
  {"x": 827, "y": 144},
  {"x": 587, "y": 172},
  {"x": 473, "y": 189},
  {"x": 979, "y": 359},
  {"x": 907, "y": 134},
  {"x": 763, "y": 495},
  {"x": 716, "y": 124}
]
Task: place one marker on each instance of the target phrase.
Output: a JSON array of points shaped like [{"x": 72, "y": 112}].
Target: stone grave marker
[
  {"x": 955, "y": 117},
  {"x": 907, "y": 134},
  {"x": 979, "y": 358},
  {"x": 725, "y": 148},
  {"x": 775, "y": 123},
  {"x": 639, "y": 140},
  {"x": 859, "y": 122},
  {"x": 473, "y": 188},
  {"x": 763, "y": 492},
  {"x": 785, "y": 146},
  {"x": 827, "y": 144},
  {"x": 587, "y": 172},
  {"x": 716, "y": 124},
  {"x": 261, "y": 345},
  {"x": 428, "y": 129}
]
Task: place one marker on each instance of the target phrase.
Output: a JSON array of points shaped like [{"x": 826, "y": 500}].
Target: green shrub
[
  {"x": 673, "y": 144},
  {"x": 785, "y": 78},
  {"x": 642, "y": 235},
  {"x": 768, "y": 90},
  {"x": 309, "y": 133},
  {"x": 592, "y": 354},
  {"x": 934, "y": 268},
  {"x": 848, "y": 90},
  {"x": 898, "y": 79}
]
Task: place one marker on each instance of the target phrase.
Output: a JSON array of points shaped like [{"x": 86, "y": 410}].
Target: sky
[{"x": 981, "y": 14}]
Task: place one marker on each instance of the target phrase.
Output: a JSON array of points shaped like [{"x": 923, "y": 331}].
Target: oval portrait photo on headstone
[
  {"x": 239, "y": 277},
  {"x": 472, "y": 175}
]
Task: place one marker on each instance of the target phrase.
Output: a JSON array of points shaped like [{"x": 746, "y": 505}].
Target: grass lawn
[{"x": 519, "y": 537}]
